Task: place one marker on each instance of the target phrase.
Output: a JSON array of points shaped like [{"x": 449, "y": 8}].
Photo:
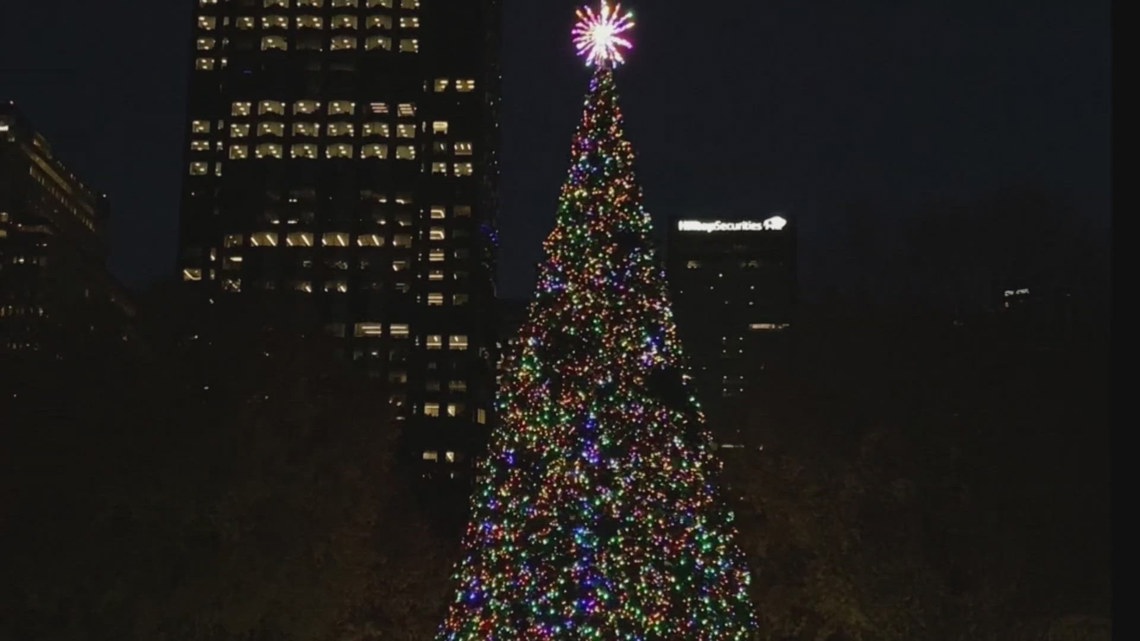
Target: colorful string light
[{"x": 597, "y": 516}]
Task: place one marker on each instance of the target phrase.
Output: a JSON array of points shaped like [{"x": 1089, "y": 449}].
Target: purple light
[{"x": 597, "y": 36}]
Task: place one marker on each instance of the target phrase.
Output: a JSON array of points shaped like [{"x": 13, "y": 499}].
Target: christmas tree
[{"x": 597, "y": 514}]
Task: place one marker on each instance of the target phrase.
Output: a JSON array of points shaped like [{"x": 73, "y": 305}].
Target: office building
[
  {"x": 342, "y": 154},
  {"x": 733, "y": 285},
  {"x": 55, "y": 291}
]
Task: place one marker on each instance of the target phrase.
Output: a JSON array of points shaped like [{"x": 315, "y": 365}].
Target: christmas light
[
  {"x": 598, "y": 35},
  {"x": 596, "y": 516}
]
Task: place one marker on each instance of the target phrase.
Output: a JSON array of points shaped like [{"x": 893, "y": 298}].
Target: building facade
[
  {"x": 55, "y": 290},
  {"x": 342, "y": 154},
  {"x": 733, "y": 285}
]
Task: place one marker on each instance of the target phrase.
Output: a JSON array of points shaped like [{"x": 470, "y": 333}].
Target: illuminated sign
[{"x": 775, "y": 223}]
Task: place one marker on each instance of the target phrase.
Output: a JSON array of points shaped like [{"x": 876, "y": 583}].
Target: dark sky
[{"x": 734, "y": 108}]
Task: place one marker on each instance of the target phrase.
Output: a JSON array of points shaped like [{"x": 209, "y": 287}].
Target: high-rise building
[
  {"x": 54, "y": 286},
  {"x": 734, "y": 286},
  {"x": 342, "y": 154}
]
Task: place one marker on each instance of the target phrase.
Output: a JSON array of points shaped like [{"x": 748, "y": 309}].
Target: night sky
[{"x": 734, "y": 108}]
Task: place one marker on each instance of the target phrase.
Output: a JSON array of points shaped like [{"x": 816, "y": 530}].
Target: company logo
[{"x": 775, "y": 223}]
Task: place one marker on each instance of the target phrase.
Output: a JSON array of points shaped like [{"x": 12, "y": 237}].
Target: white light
[{"x": 775, "y": 223}]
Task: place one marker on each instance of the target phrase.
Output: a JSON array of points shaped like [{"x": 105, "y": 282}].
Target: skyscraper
[
  {"x": 733, "y": 285},
  {"x": 55, "y": 290},
  {"x": 342, "y": 155}
]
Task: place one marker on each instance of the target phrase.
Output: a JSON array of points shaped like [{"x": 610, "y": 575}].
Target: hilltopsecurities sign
[{"x": 775, "y": 223}]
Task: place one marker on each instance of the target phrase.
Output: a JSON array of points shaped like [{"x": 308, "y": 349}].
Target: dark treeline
[{"x": 905, "y": 477}]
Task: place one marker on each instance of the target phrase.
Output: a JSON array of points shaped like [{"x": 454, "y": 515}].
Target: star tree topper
[{"x": 598, "y": 35}]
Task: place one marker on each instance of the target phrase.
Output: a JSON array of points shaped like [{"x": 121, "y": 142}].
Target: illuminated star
[{"x": 597, "y": 36}]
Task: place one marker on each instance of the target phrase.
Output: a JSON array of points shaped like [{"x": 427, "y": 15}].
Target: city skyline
[{"x": 873, "y": 106}]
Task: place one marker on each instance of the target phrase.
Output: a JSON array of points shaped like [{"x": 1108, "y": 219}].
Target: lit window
[
  {"x": 308, "y": 129},
  {"x": 271, "y": 22},
  {"x": 343, "y": 3},
  {"x": 387, "y": 4},
  {"x": 303, "y": 286},
  {"x": 205, "y": 44},
  {"x": 438, "y": 212},
  {"x": 409, "y": 4},
  {"x": 269, "y": 150},
  {"x": 437, "y": 233},
  {"x": 409, "y": 22},
  {"x": 463, "y": 86},
  {"x": 434, "y": 341},
  {"x": 462, "y": 149},
  {"x": 335, "y": 239},
  {"x": 462, "y": 211},
  {"x": 340, "y": 129},
  {"x": 231, "y": 285},
  {"x": 240, "y": 109},
  {"x": 397, "y": 376},
  {"x": 464, "y": 169},
  {"x": 271, "y": 107},
  {"x": 339, "y": 151},
  {"x": 271, "y": 129},
  {"x": 379, "y": 22},
  {"x": 370, "y": 240},
  {"x": 230, "y": 240},
  {"x": 434, "y": 299},
  {"x": 344, "y": 22},
  {"x": 440, "y": 84},
  {"x": 435, "y": 274},
  {"x": 374, "y": 151},
  {"x": 337, "y": 107},
  {"x": 405, "y": 152},
  {"x": 399, "y": 265},
  {"x": 378, "y": 42},
  {"x": 431, "y": 409},
  {"x": 341, "y": 43},
  {"x": 405, "y": 131},
  {"x": 245, "y": 23},
  {"x": 437, "y": 256},
  {"x": 336, "y": 287},
  {"x": 398, "y": 330},
  {"x": 460, "y": 299},
  {"x": 191, "y": 274},
  {"x": 368, "y": 330},
  {"x": 378, "y": 107},
  {"x": 439, "y": 168},
  {"x": 455, "y": 409},
  {"x": 239, "y": 130},
  {"x": 457, "y": 386},
  {"x": 207, "y": 23},
  {"x": 481, "y": 416},
  {"x": 204, "y": 64},
  {"x": 693, "y": 264},
  {"x": 199, "y": 168},
  {"x": 457, "y": 342},
  {"x": 276, "y": 3},
  {"x": 316, "y": 4},
  {"x": 263, "y": 239},
  {"x": 304, "y": 150},
  {"x": 406, "y": 110},
  {"x": 402, "y": 240},
  {"x": 431, "y": 455},
  {"x": 239, "y": 152},
  {"x": 271, "y": 43},
  {"x": 409, "y": 45},
  {"x": 200, "y": 145},
  {"x": 200, "y": 126},
  {"x": 439, "y": 127},
  {"x": 299, "y": 239},
  {"x": 376, "y": 129},
  {"x": 306, "y": 107}
]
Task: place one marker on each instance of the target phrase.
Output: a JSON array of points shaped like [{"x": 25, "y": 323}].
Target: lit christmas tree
[{"x": 597, "y": 514}]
